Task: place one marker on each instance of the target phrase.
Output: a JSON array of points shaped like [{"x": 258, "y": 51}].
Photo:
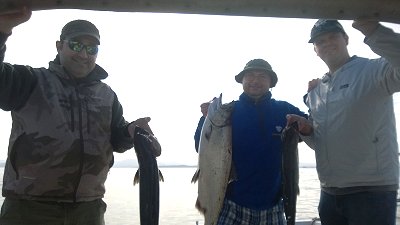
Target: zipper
[
  {"x": 81, "y": 143},
  {"x": 71, "y": 101},
  {"x": 87, "y": 115}
]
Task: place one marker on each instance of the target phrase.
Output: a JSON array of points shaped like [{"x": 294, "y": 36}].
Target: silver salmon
[
  {"x": 290, "y": 172},
  {"x": 382, "y": 10},
  {"x": 215, "y": 159},
  {"x": 148, "y": 176}
]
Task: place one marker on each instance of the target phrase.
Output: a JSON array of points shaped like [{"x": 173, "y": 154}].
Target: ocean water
[{"x": 178, "y": 197}]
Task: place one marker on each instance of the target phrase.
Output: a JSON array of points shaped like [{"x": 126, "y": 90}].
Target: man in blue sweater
[{"x": 257, "y": 122}]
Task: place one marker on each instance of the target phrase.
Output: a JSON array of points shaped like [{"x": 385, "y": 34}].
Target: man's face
[
  {"x": 78, "y": 56},
  {"x": 256, "y": 83},
  {"x": 331, "y": 46}
]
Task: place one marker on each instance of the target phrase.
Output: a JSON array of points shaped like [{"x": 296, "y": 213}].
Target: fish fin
[
  {"x": 199, "y": 207},
  {"x": 136, "y": 178},
  {"x": 160, "y": 176},
  {"x": 232, "y": 174},
  {"x": 195, "y": 177},
  {"x": 207, "y": 133}
]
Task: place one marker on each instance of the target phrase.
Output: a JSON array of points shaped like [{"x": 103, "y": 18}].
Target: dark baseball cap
[
  {"x": 258, "y": 64},
  {"x": 323, "y": 26},
  {"x": 77, "y": 28}
]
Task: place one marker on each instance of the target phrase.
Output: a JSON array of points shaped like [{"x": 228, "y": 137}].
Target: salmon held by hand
[{"x": 215, "y": 159}]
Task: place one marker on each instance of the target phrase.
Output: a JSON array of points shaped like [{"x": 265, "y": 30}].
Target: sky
[{"x": 165, "y": 65}]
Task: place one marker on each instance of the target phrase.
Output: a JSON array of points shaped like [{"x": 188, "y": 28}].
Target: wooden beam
[{"x": 383, "y": 10}]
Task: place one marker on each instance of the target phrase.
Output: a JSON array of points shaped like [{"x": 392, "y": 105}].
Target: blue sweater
[
  {"x": 256, "y": 141},
  {"x": 197, "y": 134}
]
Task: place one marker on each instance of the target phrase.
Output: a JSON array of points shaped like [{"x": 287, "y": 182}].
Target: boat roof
[{"x": 382, "y": 10}]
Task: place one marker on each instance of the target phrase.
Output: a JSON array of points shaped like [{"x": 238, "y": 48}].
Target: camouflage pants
[{"x": 26, "y": 212}]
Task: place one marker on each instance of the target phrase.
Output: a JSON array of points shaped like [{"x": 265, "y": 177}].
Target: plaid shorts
[{"x": 233, "y": 214}]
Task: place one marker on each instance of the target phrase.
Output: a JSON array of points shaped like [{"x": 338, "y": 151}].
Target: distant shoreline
[
  {"x": 130, "y": 164},
  {"x": 192, "y": 166}
]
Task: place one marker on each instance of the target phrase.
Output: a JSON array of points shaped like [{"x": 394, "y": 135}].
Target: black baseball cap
[
  {"x": 77, "y": 28},
  {"x": 323, "y": 26}
]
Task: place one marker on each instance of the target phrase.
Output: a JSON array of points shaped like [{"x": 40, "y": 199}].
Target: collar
[
  {"x": 328, "y": 76},
  {"x": 265, "y": 98},
  {"x": 98, "y": 73}
]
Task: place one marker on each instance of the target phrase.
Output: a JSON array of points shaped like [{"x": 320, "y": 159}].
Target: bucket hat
[{"x": 258, "y": 64}]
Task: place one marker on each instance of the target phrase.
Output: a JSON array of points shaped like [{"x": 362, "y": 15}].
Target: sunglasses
[{"x": 76, "y": 46}]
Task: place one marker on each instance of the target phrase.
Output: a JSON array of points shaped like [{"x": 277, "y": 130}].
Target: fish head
[
  {"x": 146, "y": 143},
  {"x": 214, "y": 106},
  {"x": 222, "y": 116}
]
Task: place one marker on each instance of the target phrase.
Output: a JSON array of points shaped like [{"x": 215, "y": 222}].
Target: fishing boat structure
[
  {"x": 314, "y": 221},
  {"x": 382, "y": 10}
]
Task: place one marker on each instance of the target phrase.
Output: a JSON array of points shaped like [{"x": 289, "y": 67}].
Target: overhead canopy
[{"x": 383, "y": 10}]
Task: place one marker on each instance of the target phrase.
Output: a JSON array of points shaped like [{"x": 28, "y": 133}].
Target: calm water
[{"x": 178, "y": 196}]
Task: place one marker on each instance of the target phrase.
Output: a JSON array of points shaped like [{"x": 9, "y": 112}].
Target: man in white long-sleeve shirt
[{"x": 353, "y": 128}]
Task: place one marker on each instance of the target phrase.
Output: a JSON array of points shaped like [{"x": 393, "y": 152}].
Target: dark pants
[
  {"x": 26, "y": 212},
  {"x": 364, "y": 208}
]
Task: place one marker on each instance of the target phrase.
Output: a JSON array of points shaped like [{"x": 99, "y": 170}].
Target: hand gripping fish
[
  {"x": 290, "y": 171},
  {"x": 147, "y": 149},
  {"x": 215, "y": 158}
]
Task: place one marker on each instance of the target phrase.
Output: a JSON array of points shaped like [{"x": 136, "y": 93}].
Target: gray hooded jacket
[{"x": 352, "y": 110}]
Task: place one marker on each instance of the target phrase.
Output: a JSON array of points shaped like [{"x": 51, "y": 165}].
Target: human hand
[
  {"x": 142, "y": 123},
  {"x": 9, "y": 20},
  {"x": 312, "y": 84},
  {"x": 204, "y": 108},
  {"x": 304, "y": 126},
  {"x": 366, "y": 26}
]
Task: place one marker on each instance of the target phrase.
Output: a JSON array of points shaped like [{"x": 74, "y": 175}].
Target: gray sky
[{"x": 165, "y": 65}]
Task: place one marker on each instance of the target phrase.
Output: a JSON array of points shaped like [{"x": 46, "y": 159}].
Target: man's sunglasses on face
[{"x": 76, "y": 46}]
